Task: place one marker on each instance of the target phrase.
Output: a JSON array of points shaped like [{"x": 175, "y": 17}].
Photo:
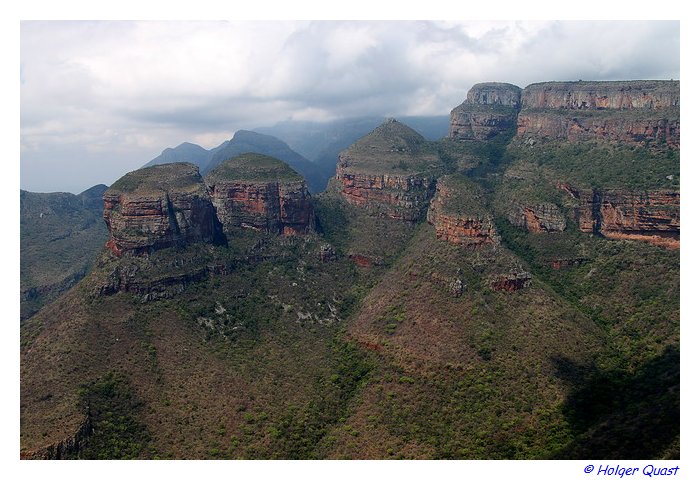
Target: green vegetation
[
  {"x": 60, "y": 236},
  {"x": 262, "y": 349},
  {"x": 392, "y": 147},
  {"x": 113, "y": 412},
  {"x": 599, "y": 165},
  {"x": 253, "y": 167},
  {"x": 465, "y": 196},
  {"x": 166, "y": 177}
]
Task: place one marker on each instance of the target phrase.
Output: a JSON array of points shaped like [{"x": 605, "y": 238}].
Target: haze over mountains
[
  {"x": 509, "y": 291},
  {"x": 318, "y": 143}
]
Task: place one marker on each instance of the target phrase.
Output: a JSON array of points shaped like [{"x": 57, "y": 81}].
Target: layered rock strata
[
  {"x": 457, "y": 216},
  {"x": 158, "y": 207},
  {"x": 388, "y": 172},
  {"x": 511, "y": 282},
  {"x": 652, "y": 216},
  {"x": 490, "y": 108},
  {"x": 260, "y": 193},
  {"x": 538, "y": 218},
  {"x": 641, "y": 112}
]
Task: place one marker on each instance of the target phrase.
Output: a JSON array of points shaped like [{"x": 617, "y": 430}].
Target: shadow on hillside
[{"x": 617, "y": 414}]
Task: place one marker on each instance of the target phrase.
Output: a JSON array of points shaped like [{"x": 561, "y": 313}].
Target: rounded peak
[
  {"x": 391, "y": 147},
  {"x": 164, "y": 177},
  {"x": 393, "y": 129},
  {"x": 253, "y": 167}
]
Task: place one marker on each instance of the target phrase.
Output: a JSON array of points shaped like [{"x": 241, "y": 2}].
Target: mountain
[
  {"x": 245, "y": 141},
  {"x": 60, "y": 236},
  {"x": 509, "y": 292},
  {"x": 186, "y": 152},
  {"x": 321, "y": 142}
]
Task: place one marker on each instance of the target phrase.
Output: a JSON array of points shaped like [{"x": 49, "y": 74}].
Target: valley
[{"x": 486, "y": 295}]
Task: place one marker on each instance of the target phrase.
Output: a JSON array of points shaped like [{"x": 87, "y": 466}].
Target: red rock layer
[
  {"x": 655, "y": 130},
  {"x": 653, "y": 216},
  {"x": 512, "y": 282},
  {"x": 282, "y": 208},
  {"x": 139, "y": 223},
  {"x": 465, "y": 229},
  {"x": 402, "y": 197},
  {"x": 643, "y": 94},
  {"x": 628, "y": 112}
]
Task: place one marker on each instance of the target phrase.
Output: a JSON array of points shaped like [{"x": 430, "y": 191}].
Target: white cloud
[{"x": 127, "y": 90}]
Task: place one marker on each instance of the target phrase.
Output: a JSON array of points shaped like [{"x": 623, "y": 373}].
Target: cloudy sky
[{"x": 102, "y": 98}]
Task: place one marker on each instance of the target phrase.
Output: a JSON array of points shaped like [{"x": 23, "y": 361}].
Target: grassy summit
[
  {"x": 392, "y": 147},
  {"x": 254, "y": 167},
  {"x": 166, "y": 177},
  {"x": 460, "y": 195}
]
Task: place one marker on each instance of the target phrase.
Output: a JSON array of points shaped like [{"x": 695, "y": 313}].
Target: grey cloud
[{"x": 121, "y": 92}]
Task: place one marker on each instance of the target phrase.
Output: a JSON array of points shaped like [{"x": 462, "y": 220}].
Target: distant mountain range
[
  {"x": 60, "y": 236},
  {"x": 310, "y": 148}
]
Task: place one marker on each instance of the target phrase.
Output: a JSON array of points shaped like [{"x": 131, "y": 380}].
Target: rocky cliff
[
  {"x": 490, "y": 108},
  {"x": 652, "y": 216},
  {"x": 158, "y": 207},
  {"x": 457, "y": 213},
  {"x": 644, "y": 112},
  {"x": 537, "y": 218},
  {"x": 391, "y": 172},
  {"x": 260, "y": 193}
]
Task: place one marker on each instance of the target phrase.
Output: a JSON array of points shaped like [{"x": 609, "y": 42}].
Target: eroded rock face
[
  {"x": 653, "y": 216},
  {"x": 640, "y": 94},
  {"x": 158, "y": 207},
  {"x": 645, "y": 112},
  {"x": 395, "y": 196},
  {"x": 490, "y": 108},
  {"x": 275, "y": 207},
  {"x": 454, "y": 220},
  {"x": 385, "y": 172},
  {"x": 511, "y": 282},
  {"x": 539, "y": 218},
  {"x": 261, "y": 193}
]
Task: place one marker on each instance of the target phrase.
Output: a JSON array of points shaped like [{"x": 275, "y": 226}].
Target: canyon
[{"x": 451, "y": 299}]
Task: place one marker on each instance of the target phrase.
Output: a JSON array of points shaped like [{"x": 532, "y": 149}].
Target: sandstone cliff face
[
  {"x": 275, "y": 207},
  {"x": 260, "y": 193},
  {"x": 510, "y": 282},
  {"x": 388, "y": 172},
  {"x": 395, "y": 196},
  {"x": 456, "y": 216},
  {"x": 630, "y": 112},
  {"x": 158, "y": 207},
  {"x": 490, "y": 108},
  {"x": 640, "y": 94},
  {"x": 649, "y": 216},
  {"x": 538, "y": 218}
]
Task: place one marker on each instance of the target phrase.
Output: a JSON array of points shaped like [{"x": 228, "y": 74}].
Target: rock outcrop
[
  {"x": 538, "y": 218},
  {"x": 490, "y": 108},
  {"x": 158, "y": 207},
  {"x": 652, "y": 216},
  {"x": 261, "y": 193},
  {"x": 510, "y": 282},
  {"x": 458, "y": 215},
  {"x": 635, "y": 112},
  {"x": 389, "y": 172},
  {"x": 65, "y": 448}
]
